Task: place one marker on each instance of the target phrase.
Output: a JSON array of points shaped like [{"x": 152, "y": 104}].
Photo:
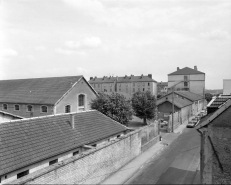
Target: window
[
  {"x": 105, "y": 90},
  {"x": 81, "y": 100},
  {"x": 148, "y": 84},
  {"x": 19, "y": 175},
  {"x": 67, "y": 108},
  {"x": 75, "y": 153},
  {"x": 29, "y": 108},
  {"x": 143, "y": 89},
  {"x": 185, "y": 78},
  {"x": 16, "y": 107},
  {"x": 98, "y": 85},
  {"x": 53, "y": 162},
  {"x": 44, "y": 109},
  {"x": 185, "y": 84},
  {"x": 143, "y": 83},
  {"x": 4, "y": 107},
  {"x": 134, "y": 84}
]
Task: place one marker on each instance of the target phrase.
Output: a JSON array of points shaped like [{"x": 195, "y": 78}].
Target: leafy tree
[
  {"x": 208, "y": 97},
  {"x": 114, "y": 106},
  {"x": 144, "y": 105}
]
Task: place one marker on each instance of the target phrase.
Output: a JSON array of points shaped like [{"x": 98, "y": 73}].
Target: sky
[{"x": 46, "y": 38}]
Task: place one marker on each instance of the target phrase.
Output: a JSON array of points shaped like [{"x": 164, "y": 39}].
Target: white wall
[{"x": 227, "y": 86}]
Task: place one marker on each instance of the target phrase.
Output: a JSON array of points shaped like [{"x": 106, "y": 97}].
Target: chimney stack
[
  {"x": 91, "y": 78},
  {"x": 178, "y": 68},
  {"x": 150, "y": 76},
  {"x": 72, "y": 120},
  {"x": 195, "y": 68}
]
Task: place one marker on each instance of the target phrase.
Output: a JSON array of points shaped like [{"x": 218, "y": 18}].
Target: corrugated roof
[
  {"x": 218, "y": 102},
  {"x": 36, "y": 90},
  {"x": 221, "y": 117},
  {"x": 186, "y": 71},
  {"x": 122, "y": 79},
  {"x": 29, "y": 141},
  {"x": 179, "y": 102},
  {"x": 189, "y": 95}
]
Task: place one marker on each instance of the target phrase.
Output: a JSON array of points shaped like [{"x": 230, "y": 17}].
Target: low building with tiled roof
[
  {"x": 185, "y": 102},
  {"x": 127, "y": 84},
  {"x": 31, "y": 144},
  {"x": 45, "y": 96},
  {"x": 187, "y": 79},
  {"x": 215, "y": 130}
]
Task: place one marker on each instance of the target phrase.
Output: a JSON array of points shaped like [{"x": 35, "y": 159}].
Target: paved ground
[{"x": 177, "y": 164}]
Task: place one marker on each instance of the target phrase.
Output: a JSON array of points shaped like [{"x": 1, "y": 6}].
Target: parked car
[
  {"x": 191, "y": 124},
  {"x": 163, "y": 123}
]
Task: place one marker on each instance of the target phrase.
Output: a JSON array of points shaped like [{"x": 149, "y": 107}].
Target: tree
[
  {"x": 144, "y": 105},
  {"x": 114, "y": 106},
  {"x": 208, "y": 97}
]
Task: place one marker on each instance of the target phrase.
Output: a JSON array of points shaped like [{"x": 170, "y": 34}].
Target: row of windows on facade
[
  {"x": 119, "y": 84},
  {"x": 26, "y": 172},
  {"x": 105, "y": 90},
  {"x": 44, "y": 108}
]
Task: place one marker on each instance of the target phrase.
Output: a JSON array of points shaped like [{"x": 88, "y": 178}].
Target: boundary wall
[{"x": 95, "y": 165}]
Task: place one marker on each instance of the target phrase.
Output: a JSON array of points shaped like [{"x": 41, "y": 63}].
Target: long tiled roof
[
  {"x": 36, "y": 90},
  {"x": 186, "y": 71},
  {"x": 29, "y": 141},
  {"x": 122, "y": 79},
  {"x": 179, "y": 102},
  {"x": 189, "y": 95}
]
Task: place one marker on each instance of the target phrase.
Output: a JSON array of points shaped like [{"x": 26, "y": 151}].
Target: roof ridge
[
  {"x": 46, "y": 116},
  {"x": 43, "y": 77}
]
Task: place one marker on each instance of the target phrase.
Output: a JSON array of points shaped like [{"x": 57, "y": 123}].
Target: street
[{"x": 178, "y": 163}]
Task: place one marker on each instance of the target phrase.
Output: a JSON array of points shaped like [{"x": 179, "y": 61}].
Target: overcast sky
[{"x": 41, "y": 38}]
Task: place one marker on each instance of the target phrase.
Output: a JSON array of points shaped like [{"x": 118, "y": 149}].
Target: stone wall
[{"x": 95, "y": 165}]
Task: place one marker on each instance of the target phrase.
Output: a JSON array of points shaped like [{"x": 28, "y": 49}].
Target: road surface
[{"x": 177, "y": 164}]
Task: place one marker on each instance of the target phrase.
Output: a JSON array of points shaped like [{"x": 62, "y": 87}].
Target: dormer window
[{"x": 44, "y": 109}]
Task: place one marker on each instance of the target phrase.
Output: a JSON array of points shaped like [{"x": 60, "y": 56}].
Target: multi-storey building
[
  {"x": 126, "y": 85},
  {"x": 227, "y": 86},
  {"x": 187, "y": 79}
]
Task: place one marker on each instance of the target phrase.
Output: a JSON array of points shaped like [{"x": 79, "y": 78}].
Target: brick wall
[{"x": 93, "y": 166}]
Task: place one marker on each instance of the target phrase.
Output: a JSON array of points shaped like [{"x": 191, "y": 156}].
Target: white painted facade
[{"x": 227, "y": 86}]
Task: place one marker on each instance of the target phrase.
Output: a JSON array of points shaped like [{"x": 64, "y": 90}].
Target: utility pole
[{"x": 172, "y": 108}]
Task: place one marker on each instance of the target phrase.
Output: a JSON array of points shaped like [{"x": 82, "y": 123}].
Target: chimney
[
  {"x": 195, "y": 68},
  {"x": 91, "y": 78},
  {"x": 72, "y": 120},
  {"x": 150, "y": 76},
  {"x": 95, "y": 77},
  {"x": 178, "y": 68},
  {"x": 141, "y": 76}
]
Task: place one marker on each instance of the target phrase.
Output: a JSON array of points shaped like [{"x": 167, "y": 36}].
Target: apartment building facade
[
  {"x": 187, "y": 79},
  {"x": 126, "y": 85}
]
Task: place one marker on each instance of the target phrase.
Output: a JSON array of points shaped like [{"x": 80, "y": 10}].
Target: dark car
[{"x": 191, "y": 124}]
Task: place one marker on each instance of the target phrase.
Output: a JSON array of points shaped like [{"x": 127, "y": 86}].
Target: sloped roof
[
  {"x": 179, "y": 102},
  {"x": 186, "y": 71},
  {"x": 32, "y": 140},
  {"x": 217, "y": 102},
  {"x": 122, "y": 79},
  {"x": 162, "y": 83},
  {"x": 221, "y": 117},
  {"x": 36, "y": 90},
  {"x": 189, "y": 95}
]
